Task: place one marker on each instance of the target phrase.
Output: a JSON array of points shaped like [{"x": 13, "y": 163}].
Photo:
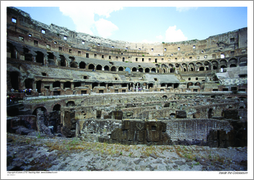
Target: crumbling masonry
[{"x": 189, "y": 92}]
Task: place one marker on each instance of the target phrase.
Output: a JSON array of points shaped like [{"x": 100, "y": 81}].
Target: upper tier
[{"x": 219, "y": 46}]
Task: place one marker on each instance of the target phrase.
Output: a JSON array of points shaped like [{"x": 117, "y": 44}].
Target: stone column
[
  {"x": 61, "y": 85},
  {"x": 34, "y": 58}
]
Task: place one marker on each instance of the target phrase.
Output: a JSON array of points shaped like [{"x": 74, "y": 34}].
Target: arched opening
[
  {"x": 62, "y": 61},
  {"x": 56, "y": 84},
  {"x": 14, "y": 80},
  {"x": 147, "y": 70},
  {"x": 57, "y": 107},
  {"x": 39, "y": 57},
  {"x": 189, "y": 84},
  {"x": 172, "y": 115},
  {"x": 73, "y": 64},
  {"x": 91, "y": 66},
  {"x": 164, "y": 97},
  {"x": 70, "y": 103},
  {"x": 67, "y": 84},
  {"x": 140, "y": 69},
  {"x": 171, "y": 70},
  {"x": 150, "y": 85},
  {"x": 51, "y": 58},
  {"x": 94, "y": 85},
  {"x": 215, "y": 65},
  {"x": 232, "y": 65},
  {"x": 113, "y": 68},
  {"x": 201, "y": 69},
  {"x": 120, "y": 69},
  {"x": 176, "y": 85},
  {"x": 243, "y": 61},
  {"x": 134, "y": 69},
  {"x": 98, "y": 67},
  {"x": 164, "y": 66},
  {"x": 223, "y": 63},
  {"x": 106, "y": 68},
  {"x": 197, "y": 84},
  {"x": 43, "y": 109},
  {"x": 153, "y": 70},
  {"x": 82, "y": 65},
  {"x": 191, "y": 67}
]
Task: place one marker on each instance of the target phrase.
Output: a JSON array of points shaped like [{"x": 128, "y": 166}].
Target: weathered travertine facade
[{"x": 88, "y": 86}]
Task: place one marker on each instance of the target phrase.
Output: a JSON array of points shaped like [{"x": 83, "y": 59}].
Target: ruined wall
[{"x": 215, "y": 133}]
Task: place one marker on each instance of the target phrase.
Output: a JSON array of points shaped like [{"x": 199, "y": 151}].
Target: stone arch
[
  {"x": 120, "y": 68},
  {"x": 98, "y": 67},
  {"x": 171, "y": 68},
  {"x": 243, "y": 61},
  {"x": 113, "y": 68},
  {"x": 39, "y": 107},
  {"x": 197, "y": 84},
  {"x": 73, "y": 64},
  {"x": 57, "y": 107},
  {"x": 62, "y": 61},
  {"x": 207, "y": 65},
  {"x": 82, "y": 65},
  {"x": 223, "y": 63},
  {"x": 198, "y": 65},
  {"x": 201, "y": 68},
  {"x": 164, "y": 66},
  {"x": 191, "y": 67},
  {"x": 91, "y": 66},
  {"x": 232, "y": 62},
  {"x": 51, "y": 58},
  {"x": 140, "y": 69},
  {"x": 134, "y": 69},
  {"x": 70, "y": 103},
  {"x": 147, "y": 70},
  {"x": 106, "y": 68},
  {"x": 189, "y": 84},
  {"x": 153, "y": 70},
  {"x": 215, "y": 65}
]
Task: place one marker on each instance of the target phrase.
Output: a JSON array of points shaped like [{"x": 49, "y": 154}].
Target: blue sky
[{"x": 143, "y": 22}]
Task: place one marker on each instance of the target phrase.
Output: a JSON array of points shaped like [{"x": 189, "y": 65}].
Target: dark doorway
[
  {"x": 38, "y": 86},
  {"x": 15, "y": 80}
]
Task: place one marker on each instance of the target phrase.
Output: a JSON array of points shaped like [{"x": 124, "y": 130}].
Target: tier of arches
[{"x": 64, "y": 61}]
